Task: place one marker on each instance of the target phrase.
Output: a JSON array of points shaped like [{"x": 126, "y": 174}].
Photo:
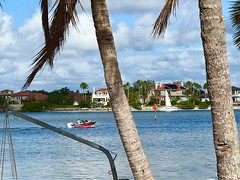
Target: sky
[{"x": 178, "y": 56}]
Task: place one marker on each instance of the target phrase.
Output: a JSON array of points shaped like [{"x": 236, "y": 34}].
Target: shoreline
[
  {"x": 78, "y": 109},
  {"x": 110, "y": 109}
]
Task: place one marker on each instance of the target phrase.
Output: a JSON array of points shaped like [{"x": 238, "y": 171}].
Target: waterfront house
[
  {"x": 100, "y": 96},
  {"x": 21, "y": 96},
  {"x": 175, "y": 89},
  {"x": 236, "y": 95},
  {"x": 6, "y": 94}
]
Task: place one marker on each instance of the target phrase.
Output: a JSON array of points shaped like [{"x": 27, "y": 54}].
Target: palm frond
[
  {"x": 235, "y": 19},
  {"x": 160, "y": 25},
  {"x": 1, "y": 5},
  {"x": 64, "y": 13},
  {"x": 45, "y": 24}
]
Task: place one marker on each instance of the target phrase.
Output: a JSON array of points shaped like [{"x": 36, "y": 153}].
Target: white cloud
[
  {"x": 177, "y": 56},
  {"x": 6, "y": 36}
]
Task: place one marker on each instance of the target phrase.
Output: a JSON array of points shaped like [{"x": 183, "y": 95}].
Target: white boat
[
  {"x": 70, "y": 125},
  {"x": 168, "y": 106}
]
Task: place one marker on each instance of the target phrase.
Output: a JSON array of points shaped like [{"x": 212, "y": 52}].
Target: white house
[
  {"x": 6, "y": 93},
  {"x": 236, "y": 95},
  {"x": 100, "y": 96}
]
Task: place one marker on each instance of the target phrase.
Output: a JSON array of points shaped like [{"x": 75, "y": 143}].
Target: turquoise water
[{"x": 178, "y": 146}]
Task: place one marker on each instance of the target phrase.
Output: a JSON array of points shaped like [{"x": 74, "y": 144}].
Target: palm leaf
[
  {"x": 1, "y": 4},
  {"x": 64, "y": 13},
  {"x": 160, "y": 25},
  {"x": 45, "y": 25},
  {"x": 235, "y": 18}
]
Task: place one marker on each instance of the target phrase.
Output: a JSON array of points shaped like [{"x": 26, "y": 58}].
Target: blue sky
[{"x": 177, "y": 56}]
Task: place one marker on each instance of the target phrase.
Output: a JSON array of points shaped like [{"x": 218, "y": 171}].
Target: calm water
[{"x": 178, "y": 147}]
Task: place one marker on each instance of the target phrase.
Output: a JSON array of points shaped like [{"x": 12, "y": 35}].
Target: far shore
[
  {"x": 78, "y": 109},
  {"x": 148, "y": 108}
]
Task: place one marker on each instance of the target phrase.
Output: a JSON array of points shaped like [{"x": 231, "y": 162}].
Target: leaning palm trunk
[
  {"x": 225, "y": 131},
  {"x": 65, "y": 12},
  {"x": 124, "y": 120}
]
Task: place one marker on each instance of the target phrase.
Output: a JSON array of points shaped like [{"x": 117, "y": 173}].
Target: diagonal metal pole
[{"x": 69, "y": 135}]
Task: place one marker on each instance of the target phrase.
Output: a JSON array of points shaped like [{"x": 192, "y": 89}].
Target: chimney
[{"x": 156, "y": 85}]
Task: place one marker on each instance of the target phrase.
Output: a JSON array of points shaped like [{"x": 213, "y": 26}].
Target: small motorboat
[{"x": 82, "y": 124}]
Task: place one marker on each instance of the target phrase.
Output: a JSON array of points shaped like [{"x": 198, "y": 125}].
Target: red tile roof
[
  {"x": 77, "y": 97},
  {"x": 21, "y": 93},
  {"x": 170, "y": 86},
  {"x": 39, "y": 96},
  {"x": 102, "y": 90},
  {"x": 30, "y": 95}
]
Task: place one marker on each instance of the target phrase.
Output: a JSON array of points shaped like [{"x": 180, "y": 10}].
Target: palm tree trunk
[
  {"x": 225, "y": 132},
  {"x": 124, "y": 120}
]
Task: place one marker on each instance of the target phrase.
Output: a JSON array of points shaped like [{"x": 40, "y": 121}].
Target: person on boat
[{"x": 78, "y": 121}]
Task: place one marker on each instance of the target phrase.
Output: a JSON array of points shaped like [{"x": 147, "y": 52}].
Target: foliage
[
  {"x": 2, "y": 101},
  {"x": 174, "y": 101},
  {"x": 84, "y": 86},
  {"x": 235, "y": 18},
  {"x": 137, "y": 93},
  {"x": 152, "y": 101},
  {"x": 134, "y": 100},
  {"x": 186, "y": 105},
  {"x": 197, "y": 102},
  {"x": 35, "y": 106},
  {"x": 55, "y": 98},
  {"x": 85, "y": 104},
  {"x": 61, "y": 96},
  {"x": 68, "y": 100},
  {"x": 203, "y": 105},
  {"x": 143, "y": 88},
  {"x": 136, "y": 105},
  {"x": 162, "y": 103}
]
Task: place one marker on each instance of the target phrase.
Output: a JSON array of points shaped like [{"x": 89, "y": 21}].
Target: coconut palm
[
  {"x": 84, "y": 86},
  {"x": 122, "y": 113},
  {"x": 213, "y": 34},
  {"x": 127, "y": 87},
  {"x": 205, "y": 89},
  {"x": 64, "y": 13},
  {"x": 235, "y": 17},
  {"x": 189, "y": 88}
]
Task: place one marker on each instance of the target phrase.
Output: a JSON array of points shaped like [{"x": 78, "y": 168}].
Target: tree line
[{"x": 137, "y": 94}]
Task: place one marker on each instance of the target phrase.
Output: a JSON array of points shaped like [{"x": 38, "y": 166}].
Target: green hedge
[
  {"x": 203, "y": 105},
  {"x": 35, "y": 106},
  {"x": 186, "y": 105}
]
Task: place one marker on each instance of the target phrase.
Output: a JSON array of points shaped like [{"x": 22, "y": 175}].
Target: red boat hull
[{"x": 85, "y": 125}]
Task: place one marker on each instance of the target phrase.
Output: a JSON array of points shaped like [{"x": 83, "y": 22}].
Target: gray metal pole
[{"x": 69, "y": 135}]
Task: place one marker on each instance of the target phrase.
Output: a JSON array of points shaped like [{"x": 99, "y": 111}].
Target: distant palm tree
[
  {"x": 189, "y": 88},
  {"x": 235, "y": 17},
  {"x": 84, "y": 86},
  {"x": 213, "y": 34},
  {"x": 197, "y": 87},
  {"x": 127, "y": 87},
  {"x": 64, "y": 12},
  {"x": 205, "y": 88},
  {"x": 139, "y": 85}
]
